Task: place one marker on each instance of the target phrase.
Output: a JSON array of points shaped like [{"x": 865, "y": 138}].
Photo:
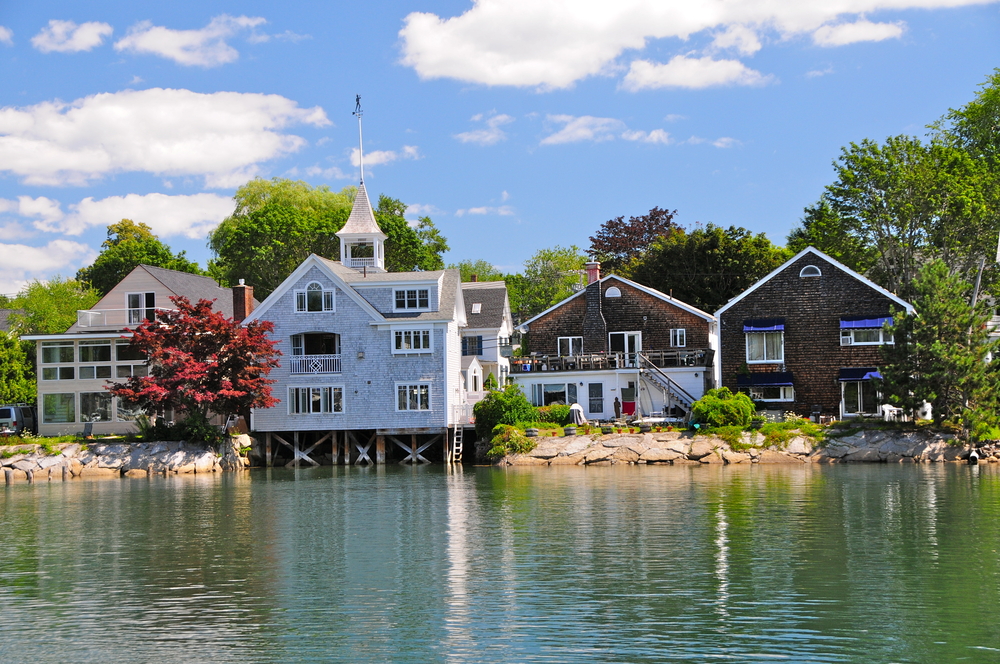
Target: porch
[{"x": 694, "y": 357}]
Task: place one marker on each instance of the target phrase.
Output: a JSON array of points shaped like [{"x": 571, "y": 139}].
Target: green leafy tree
[
  {"x": 16, "y": 375},
  {"x": 708, "y": 266},
  {"x": 940, "y": 354},
  {"x": 723, "y": 408},
  {"x": 408, "y": 248},
  {"x": 482, "y": 270},
  {"x": 49, "y": 307},
  {"x": 129, "y": 245},
  {"x": 549, "y": 276},
  {"x": 976, "y": 126}
]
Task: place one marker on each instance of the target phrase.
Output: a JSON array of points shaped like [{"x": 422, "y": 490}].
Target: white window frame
[
  {"x": 303, "y": 394},
  {"x": 422, "y": 386},
  {"x": 327, "y": 298},
  {"x": 571, "y": 343},
  {"x": 95, "y": 368},
  {"x": 847, "y": 337},
  {"x": 810, "y": 272},
  {"x": 60, "y": 345},
  {"x": 426, "y": 291},
  {"x": 146, "y": 308},
  {"x": 786, "y": 393},
  {"x": 426, "y": 335},
  {"x": 53, "y": 395},
  {"x": 766, "y": 360},
  {"x": 678, "y": 337},
  {"x": 102, "y": 396},
  {"x": 58, "y": 372}
]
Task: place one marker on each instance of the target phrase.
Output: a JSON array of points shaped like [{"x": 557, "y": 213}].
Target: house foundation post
[
  {"x": 380, "y": 450},
  {"x": 267, "y": 449}
]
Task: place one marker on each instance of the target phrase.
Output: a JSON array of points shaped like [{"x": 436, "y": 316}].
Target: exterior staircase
[{"x": 674, "y": 393}]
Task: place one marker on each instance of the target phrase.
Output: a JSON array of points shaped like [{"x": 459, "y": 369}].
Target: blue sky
[{"x": 514, "y": 124}]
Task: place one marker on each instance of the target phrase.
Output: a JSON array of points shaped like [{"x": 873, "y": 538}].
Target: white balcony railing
[
  {"x": 361, "y": 262},
  {"x": 315, "y": 364},
  {"x": 117, "y": 318}
]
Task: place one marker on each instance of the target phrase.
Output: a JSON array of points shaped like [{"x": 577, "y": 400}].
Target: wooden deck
[{"x": 694, "y": 357}]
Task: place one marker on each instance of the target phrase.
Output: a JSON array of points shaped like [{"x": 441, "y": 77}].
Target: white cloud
[
  {"x": 222, "y": 136},
  {"x": 503, "y": 211},
  {"x": 725, "y": 142},
  {"x": 206, "y": 47},
  {"x": 555, "y": 44},
  {"x": 6, "y": 36},
  {"x": 685, "y": 72},
  {"x": 655, "y": 136},
  {"x": 737, "y": 37},
  {"x": 491, "y": 135},
  {"x": 819, "y": 72},
  {"x": 15, "y": 231},
  {"x": 673, "y": 117},
  {"x": 421, "y": 210},
  {"x": 583, "y": 128},
  {"x": 504, "y": 195},
  {"x": 189, "y": 215},
  {"x": 384, "y": 156},
  {"x": 68, "y": 37},
  {"x": 859, "y": 31},
  {"x": 22, "y": 263},
  {"x": 332, "y": 173}
]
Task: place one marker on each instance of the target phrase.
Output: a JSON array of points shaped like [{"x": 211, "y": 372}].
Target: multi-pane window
[
  {"x": 91, "y": 373},
  {"x": 310, "y": 400},
  {"x": 314, "y": 298},
  {"x": 58, "y": 408},
  {"x": 124, "y": 352},
  {"x": 413, "y": 397},
  {"x": 95, "y": 351},
  {"x": 58, "y": 373},
  {"x": 95, "y": 407},
  {"x": 567, "y": 346},
  {"x": 57, "y": 352},
  {"x": 414, "y": 298},
  {"x": 865, "y": 336},
  {"x": 596, "y": 391},
  {"x": 472, "y": 345},
  {"x": 130, "y": 370},
  {"x": 678, "y": 338},
  {"x": 412, "y": 341},
  {"x": 772, "y": 393},
  {"x": 765, "y": 347}
]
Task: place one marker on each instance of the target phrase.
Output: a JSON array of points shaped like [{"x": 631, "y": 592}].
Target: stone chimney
[
  {"x": 593, "y": 272},
  {"x": 242, "y": 301},
  {"x": 595, "y": 327}
]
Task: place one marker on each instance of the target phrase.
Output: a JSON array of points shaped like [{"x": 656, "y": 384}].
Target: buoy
[{"x": 973, "y": 458}]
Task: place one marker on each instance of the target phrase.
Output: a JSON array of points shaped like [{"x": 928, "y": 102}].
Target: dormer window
[
  {"x": 810, "y": 271},
  {"x": 413, "y": 298},
  {"x": 314, "y": 298}
]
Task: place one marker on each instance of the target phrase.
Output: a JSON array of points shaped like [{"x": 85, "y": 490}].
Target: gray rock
[
  {"x": 50, "y": 461},
  {"x": 660, "y": 455},
  {"x": 865, "y": 454},
  {"x": 545, "y": 451},
  {"x": 701, "y": 448},
  {"x": 618, "y": 441},
  {"x": 730, "y": 456},
  {"x": 25, "y": 465},
  {"x": 575, "y": 445},
  {"x": 838, "y": 450},
  {"x": 71, "y": 450},
  {"x": 799, "y": 445}
]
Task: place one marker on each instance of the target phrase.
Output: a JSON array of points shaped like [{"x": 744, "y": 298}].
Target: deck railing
[
  {"x": 695, "y": 357},
  {"x": 314, "y": 364},
  {"x": 361, "y": 262}
]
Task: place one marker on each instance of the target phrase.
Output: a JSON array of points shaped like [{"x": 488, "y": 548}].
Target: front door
[{"x": 629, "y": 344}]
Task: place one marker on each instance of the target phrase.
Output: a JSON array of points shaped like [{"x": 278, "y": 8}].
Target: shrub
[
  {"x": 557, "y": 414},
  {"x": 721, "y": 408},
  {"x": 509, "y": 439},
  {"x": 506, "y": 406},
  {"x": 491, "y": 383}
]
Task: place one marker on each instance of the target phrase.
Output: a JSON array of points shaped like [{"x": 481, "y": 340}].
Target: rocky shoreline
[
  {"x": 34, "y": 463},
  {"x": 683, "y": 448}
]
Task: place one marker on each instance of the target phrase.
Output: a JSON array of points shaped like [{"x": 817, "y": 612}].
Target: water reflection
[{"x": 615, "y": 564}]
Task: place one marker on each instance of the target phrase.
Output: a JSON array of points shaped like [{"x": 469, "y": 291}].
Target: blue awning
[
  {"x": 764, "y": 325},
  {"x": 859, "y": 373},
  {"x": 771, "y": 379},
  {"x": 857, "y": 322}
]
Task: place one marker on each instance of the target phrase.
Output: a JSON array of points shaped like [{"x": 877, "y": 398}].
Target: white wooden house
[
  {"x": 371, "y": 367},
  {"x": 486, "y": 342}
]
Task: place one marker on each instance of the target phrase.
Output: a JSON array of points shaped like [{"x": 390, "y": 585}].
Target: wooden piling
[
  {"x": 65, "y": 472},
  {"x": 380, "y": 450},
  {"x": 8, "y": 475},
  {"x": 31, "y": 476},
  {"x": 267, "y": 449}
]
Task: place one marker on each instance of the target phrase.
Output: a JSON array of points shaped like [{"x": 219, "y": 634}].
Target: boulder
[
  {"x": 93, "y": 471},
  {"x": 685, "y": 462},
  {"x": 799, "y": 445},
  {"x": 521, "y": 460},
  {"x": 864, "y": 454},
  {"x": 71, "y": 450},
  {"x": 730, "y": 456},
  {"x": 660, "y": 455},
  {"x": 576, "y": 444},
  {"x": 626, "y": 454},
  {"x": 596, "y": 454},
  {"x": 205, "y": 462},
  {"x": 110, "y": 461},
  {"x": 135, "y": 472},
  {"x": 774, "y": 456},
  {"x": 25, "y": 465},
  {"x": 712, "y": 458},
  {"x": 571, "y": 460},
  {"x": 700, "y": 448},
  {"x": 618, "y": 441},
  {"x": 545, "y": 451},
  {"x": 838, "y": 450}
]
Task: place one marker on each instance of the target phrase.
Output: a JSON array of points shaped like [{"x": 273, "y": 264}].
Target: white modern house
[
  {"x": 74, "y": 367},
  {"x": 372, "y": 360}
]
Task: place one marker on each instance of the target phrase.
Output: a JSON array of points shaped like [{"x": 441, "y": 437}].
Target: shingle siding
[{"x": 812, "y": 308}]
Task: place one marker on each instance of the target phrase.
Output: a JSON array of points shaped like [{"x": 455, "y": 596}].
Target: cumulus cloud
[
  {"x": 68, "y": 37},
  {"x": 378, "y": 157},
  {"x": 331, "y": 173},
  {"x": 554, "y": 45},
  {"x": 190, "y": 216},
  {"x": 22, "y": 262},
  {"x": 6, "y": 36},
  {"x": 583, "y": 128},
  {"x": 815, "y": 73},
  {"x": 725, "y": 142},
  {"x": 222, "y": 136},
  {"x": 206, "y": 47},
  {"x": 491, "y": 134},
  {"x": 655, "y": 136},
  {"x": 685, "y": 72},
  {"x": 421, "y": 210},
  {"x": 859, "y": 31}
]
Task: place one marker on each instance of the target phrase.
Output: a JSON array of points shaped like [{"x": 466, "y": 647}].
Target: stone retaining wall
[{"x": 683, "y": 448}]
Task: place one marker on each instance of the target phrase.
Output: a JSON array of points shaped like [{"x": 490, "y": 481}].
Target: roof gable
[
  {"x": 492, "y": 298},
  {"x": 833, "y": 262}
]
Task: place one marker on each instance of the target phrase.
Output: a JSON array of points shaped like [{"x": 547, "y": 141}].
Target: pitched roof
[
  {"x": 362, "y": 218},
  {"x": 832, "y": 261},
  {"x": 492, "y": 298},
  {"x": 195, "y": 287},
  {"x": 5, "y": 322}
]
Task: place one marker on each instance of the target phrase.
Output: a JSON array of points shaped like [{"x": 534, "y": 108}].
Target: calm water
[{"x": 869, "y": 563}]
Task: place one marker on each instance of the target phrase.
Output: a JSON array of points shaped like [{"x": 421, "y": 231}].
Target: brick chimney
[
  {"x": 474, "y": 277},
  {"x": 593, "y": 272},
  {"x": 242, "y": 301},
  {"x": 595, "y": 327}
]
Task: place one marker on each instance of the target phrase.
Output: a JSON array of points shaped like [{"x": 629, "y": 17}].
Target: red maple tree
[{"x": 201, "y": 362}]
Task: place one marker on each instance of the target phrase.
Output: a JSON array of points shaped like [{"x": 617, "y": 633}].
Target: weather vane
[{"x": 361, "y": 149}]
